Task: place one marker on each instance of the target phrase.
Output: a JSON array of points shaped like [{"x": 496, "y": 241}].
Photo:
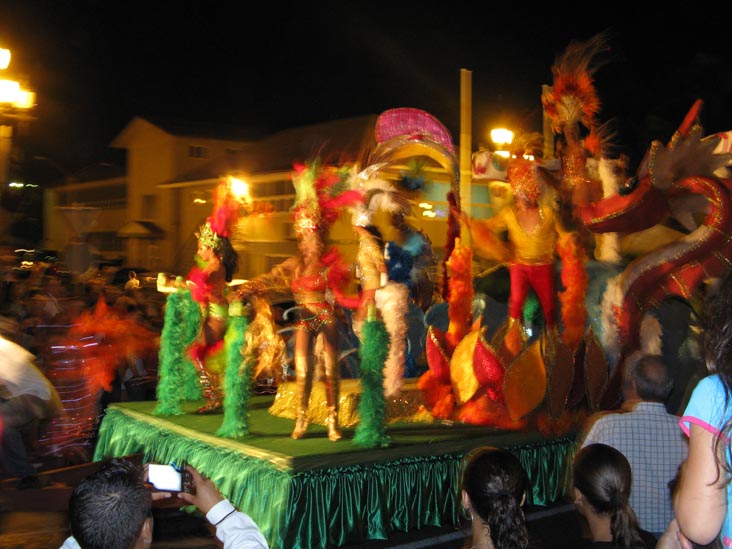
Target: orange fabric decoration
[
  {"x": 437, "y": 395},
  {"x": 483, "y": 410},
  {"x": 487, "y": 244},
  {"x": 460, "y": 298},
  {"x": 575, "y": 280}
]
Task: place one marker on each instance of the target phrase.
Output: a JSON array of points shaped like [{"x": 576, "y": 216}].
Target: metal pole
[
  {"x": 6, "y": 145},
  {"x": 466, "y": 130}
]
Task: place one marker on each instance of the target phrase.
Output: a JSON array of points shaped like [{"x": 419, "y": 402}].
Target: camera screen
[{"x": 164, "y": 477}]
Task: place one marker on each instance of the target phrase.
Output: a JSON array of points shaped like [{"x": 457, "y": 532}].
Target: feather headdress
[
  {"x": 223, "y": 218},
  {"x": 572, "y": 99},
  {"x": 321, "y": 194},
  {"x": 377, "y": 193}
]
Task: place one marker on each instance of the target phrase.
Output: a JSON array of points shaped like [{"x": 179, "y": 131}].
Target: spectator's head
[
  {"x": 650, "y": 379},
  {"x": 494, "y": 489},
  {"x": 602, "y": 481},
  {"x": 111, "y": 509}
]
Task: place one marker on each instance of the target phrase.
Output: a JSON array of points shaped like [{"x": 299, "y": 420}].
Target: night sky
[{"x": 96, "y": 64}]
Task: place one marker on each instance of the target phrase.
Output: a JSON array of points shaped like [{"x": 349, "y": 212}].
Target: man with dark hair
[
  {"x": 111, "y": 509},
  {"x": 648, "y": 436}
]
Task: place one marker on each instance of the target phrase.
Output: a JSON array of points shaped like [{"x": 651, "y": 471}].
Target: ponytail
[{"x": 624, "y": 527}]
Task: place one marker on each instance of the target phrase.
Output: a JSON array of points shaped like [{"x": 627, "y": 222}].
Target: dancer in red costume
[
  {"x": 534, "y": 235},
  {"x": 216, "y": 263},
  {"x": 310, "y": 275}
]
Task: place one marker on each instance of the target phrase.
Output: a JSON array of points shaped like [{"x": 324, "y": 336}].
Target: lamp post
[{"x": 15, "y": 104}]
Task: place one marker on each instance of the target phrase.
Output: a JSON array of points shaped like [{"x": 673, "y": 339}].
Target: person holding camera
[
  {"x": 112, "y": 508},
  {"x": 233, "y": 528}
]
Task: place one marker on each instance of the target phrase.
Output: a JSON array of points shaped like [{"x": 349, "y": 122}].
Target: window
[{"x": 195, "y": 151}]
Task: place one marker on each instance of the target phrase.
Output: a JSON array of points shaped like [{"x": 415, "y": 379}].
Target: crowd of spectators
[
  {"x": 42, "y": 297},
  {"x": 40, "y": 303}
]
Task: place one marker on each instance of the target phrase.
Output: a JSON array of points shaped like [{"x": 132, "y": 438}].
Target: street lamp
[
  {"x": 15, "y": 104},
  {"x": 502, "y": 138},
  {"x": 12, "y": 95},
  {"x": 4, "y": 58}
]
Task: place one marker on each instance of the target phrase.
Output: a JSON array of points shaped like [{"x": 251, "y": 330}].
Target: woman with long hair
[
  {"x": 494, "y": 488},
  {"x": 602, "y": 479},
  {"x": 703, "y": 495}
]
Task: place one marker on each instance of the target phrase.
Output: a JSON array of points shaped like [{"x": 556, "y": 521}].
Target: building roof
[
  {"x": 190, "y": 128},
  {"x": 140, "y": 229},
  {"x": 339, "y": 141},
  {"x": 99, "y": 171}
]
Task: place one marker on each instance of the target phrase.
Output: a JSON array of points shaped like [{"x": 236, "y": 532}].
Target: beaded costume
[{"x": 319, "y": 197}]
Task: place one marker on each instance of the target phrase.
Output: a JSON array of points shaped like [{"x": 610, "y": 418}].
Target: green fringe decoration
[
  {"x": 233, "y": 472},
  {"x": 371, "y": 430},
  {"x": 237, "y": 381},
  {"x": 178, "y": 378}
]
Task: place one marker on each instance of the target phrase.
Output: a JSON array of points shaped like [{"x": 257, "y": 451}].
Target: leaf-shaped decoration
[
  {"x": 489, "y": 370},
  {"x": 560, "y": 377},
  {"x": 596, "y": 370},
  {"x": 437, "y": 359},
  {"x": 462, "y": 376},
  {"x": 498, "y": 343},
  {"x": 577, "y": 392},
  {"x": 524, "y": 386},
  {"x": 611, "y": 395}
]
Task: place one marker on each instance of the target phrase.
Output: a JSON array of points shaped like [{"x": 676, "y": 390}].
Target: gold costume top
[
  {"x": 534, "y": 248},
  {"x": 370, "y": 263}
]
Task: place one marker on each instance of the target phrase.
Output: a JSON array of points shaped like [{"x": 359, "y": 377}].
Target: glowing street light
[
  {"x": 4, "y": 58},
  {"x": 11, "y": 92},
  {"x": 240, "y": 188},
  {"x": 15, "y": 101},
  {"x": 502, "y": 138}
]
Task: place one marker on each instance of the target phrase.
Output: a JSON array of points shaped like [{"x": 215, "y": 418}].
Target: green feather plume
[
  {"x": 371, "y": 430},
  {"x": 237, "y": 380},
  {"x": 178, "y": 378}
]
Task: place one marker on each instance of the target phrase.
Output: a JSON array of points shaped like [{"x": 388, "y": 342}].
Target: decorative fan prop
[
  {"x": 416, "y": 123},
  {"x": 409, "y": 133}
]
